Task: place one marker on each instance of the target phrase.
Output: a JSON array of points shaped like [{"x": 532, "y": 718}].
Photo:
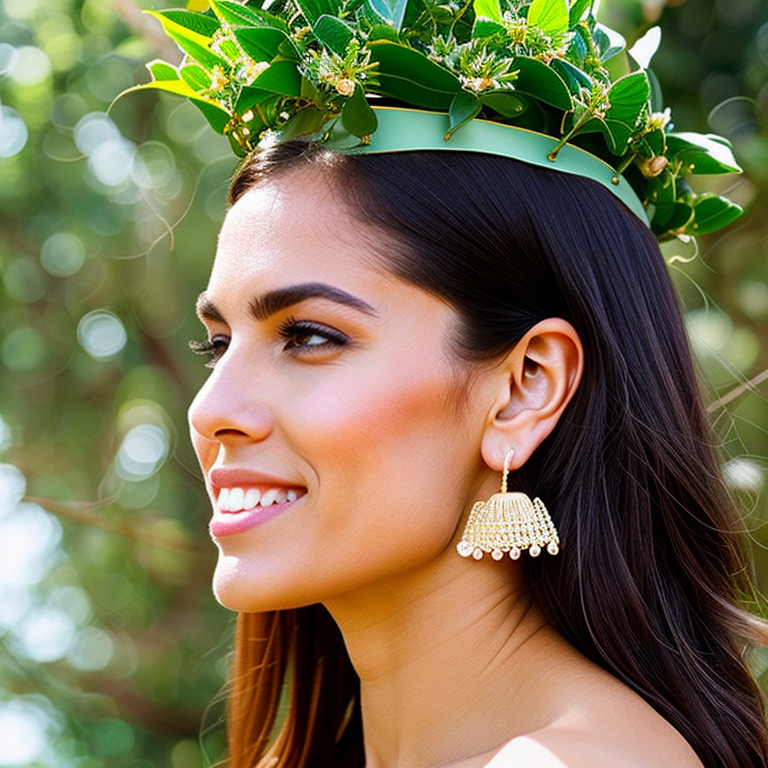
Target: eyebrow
[{"x": 264, "y": 306}]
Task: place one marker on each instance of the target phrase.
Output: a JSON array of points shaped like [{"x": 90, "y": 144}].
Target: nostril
[{"x": 229, "y": 433}]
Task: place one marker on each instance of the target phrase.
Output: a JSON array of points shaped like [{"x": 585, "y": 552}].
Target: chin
[{"x": 236, "y": 587}]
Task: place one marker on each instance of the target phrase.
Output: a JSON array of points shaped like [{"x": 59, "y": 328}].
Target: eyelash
[
  {"x": 291, "y": 330},
  {"x": 213, "y": 349}
]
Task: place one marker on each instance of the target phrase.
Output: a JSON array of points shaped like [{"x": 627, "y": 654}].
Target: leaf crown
[{"x": 316, "y": 68}]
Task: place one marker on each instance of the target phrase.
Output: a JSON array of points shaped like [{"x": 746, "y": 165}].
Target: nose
[{"x": 227, "y": 409}]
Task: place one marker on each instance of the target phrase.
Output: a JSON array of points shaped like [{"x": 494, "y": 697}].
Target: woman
[{"x": 386, "y": 331}]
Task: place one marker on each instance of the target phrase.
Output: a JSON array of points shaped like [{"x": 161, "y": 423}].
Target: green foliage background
[{"x": 111, "y": 646}]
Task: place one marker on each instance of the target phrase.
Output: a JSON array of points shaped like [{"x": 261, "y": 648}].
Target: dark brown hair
[{"x": 651, "y": 566}]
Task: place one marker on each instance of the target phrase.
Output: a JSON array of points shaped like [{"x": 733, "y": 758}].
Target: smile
[
  {"x": 240, "y": 508},
  {"x": 239, "y": 499}
]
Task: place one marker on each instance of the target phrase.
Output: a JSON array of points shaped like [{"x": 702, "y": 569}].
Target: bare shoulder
[
  {"x": 606, "y": 725},
  {"x": 553, "y": 749}
]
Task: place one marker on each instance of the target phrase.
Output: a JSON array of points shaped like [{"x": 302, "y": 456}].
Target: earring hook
[{"x": 507, "y": 462}]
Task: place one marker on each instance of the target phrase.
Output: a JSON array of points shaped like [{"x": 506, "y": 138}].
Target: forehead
[{"x": 292, "y": 227}]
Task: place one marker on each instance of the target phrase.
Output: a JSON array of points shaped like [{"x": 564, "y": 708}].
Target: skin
[{"x": 393, "y": 439}]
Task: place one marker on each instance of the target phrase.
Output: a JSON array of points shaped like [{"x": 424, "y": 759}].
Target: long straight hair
[{"x": 651, "y": 568}]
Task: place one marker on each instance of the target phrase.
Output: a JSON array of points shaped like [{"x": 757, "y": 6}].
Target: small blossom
[
  {"x": 518, "y": 29},
  {"x": 345, "y": 86},
  {"x": 653, "y": 166},
  {"x": 219, "y": 80},
  {"x": 478, "y": 84},
  {"x": 247, "y": 116},
  {"x": 251, "y": 70},
  {"x": 659, "y": 120}
]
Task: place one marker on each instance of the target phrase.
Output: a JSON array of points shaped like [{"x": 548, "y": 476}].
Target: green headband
[
  {"x": 404, "y": 130},
  {"x": 543, "y": 82}
]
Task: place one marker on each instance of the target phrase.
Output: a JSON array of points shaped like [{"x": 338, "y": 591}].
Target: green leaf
[
  {"x": 378, "y": 13},
  {"x": 628, "y": 98},
  {"x": 162, "y": 70},
  {"x": 464, "y": 107},
  {"x": 192, "y": 43},
  {"x": 711, "y": 213},
  {"x": 310, "y": 92},
  {"x": 333, "y": 33},
  {"x": 657, "y": 98},
  {"x": 197, "y": 78},
  {"x": 578, "y": 9},
  {"x": 615, "y": 132},
  {"x": 578, "y": 48},
  {"x": 382, "y": 32},
  {"x": 305, "y": 122},
  {"x": 234, "y": 145},
  {"x": 663, "y": 190},
  {"x": 314, "y": 9},
  {"x": 574, "y": 78},
  {"x": 253, "y": 97},
  {"x": 207, "y": 26},
  {"x": 652, "y": 144},
  {"x": 282, "y": 78},
  {"x": 507, "y": 103},
  {"x": 413, "y": 92},
  {"x": 216, "y": 115},
  {"x": 702, "y": 153},
  {"x": 487, "y": 28},
  {"x": 357, "y": 116},
  {"x": 550, "y": 16},
  {"x": 261, "y": 43},
  {"x": 392, "y": 15},
  {"x": 408, "y": 75},
  {"x": 671, "y": 218},
  {"x": 609, "y": 41},
  {"x": 542, "y": 82},
  {"x": 618, "y": 134},
  {"x": 401, "y": 12},
  {"x": 490, "y": 9},
  {"x": 236, "y": 14}
]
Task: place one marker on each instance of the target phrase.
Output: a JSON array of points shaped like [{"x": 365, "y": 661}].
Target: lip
[
  {"x": 232, "y": 523},
  {"x": 231, "y": 477}
]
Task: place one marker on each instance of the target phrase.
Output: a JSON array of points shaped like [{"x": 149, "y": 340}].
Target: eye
[
  {"x": 213, "y": 349},
  {"x": 307, "y": 336}
]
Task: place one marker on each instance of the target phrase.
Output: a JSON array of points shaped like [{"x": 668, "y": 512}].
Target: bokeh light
[
  {"x": 13, "y": 132},
  {"x": 101, "y": 334},
  {"x": 29, "y": 540},
  {"x": 62, "y": 254},
  {"x": 31, "y": 66},
  {"x": 142, "y": 452},
  {"x": 24, "y": 730}
]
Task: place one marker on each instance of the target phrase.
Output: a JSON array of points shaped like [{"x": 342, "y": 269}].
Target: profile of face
[{"x": 338, "y": 443}]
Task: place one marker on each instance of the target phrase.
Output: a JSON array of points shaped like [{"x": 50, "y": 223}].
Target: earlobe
[{"x": 540, "y": 376}]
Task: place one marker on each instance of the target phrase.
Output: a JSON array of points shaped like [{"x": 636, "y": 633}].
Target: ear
[{"x": 534, "y": 384}]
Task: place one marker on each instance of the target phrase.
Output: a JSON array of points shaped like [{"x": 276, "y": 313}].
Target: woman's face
[{"x": 338, "y": 446}]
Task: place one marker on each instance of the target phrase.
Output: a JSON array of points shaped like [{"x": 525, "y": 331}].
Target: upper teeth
[{"x": 238, "y": 499}]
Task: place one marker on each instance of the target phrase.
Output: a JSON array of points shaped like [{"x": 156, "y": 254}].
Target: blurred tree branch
[
  {"x": 148, "y": 28},
  {"x": 83, "y": 513}
]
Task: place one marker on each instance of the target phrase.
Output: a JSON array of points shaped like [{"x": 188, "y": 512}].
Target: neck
[{"x": 436, "y": 653}]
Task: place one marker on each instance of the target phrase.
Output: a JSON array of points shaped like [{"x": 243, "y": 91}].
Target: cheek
[
  {"x": 351, "y": 414},
  {"x": 382, "y": 443}
]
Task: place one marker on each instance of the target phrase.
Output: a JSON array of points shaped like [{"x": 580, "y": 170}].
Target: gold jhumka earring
[{"x": 508, "y": 522}]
